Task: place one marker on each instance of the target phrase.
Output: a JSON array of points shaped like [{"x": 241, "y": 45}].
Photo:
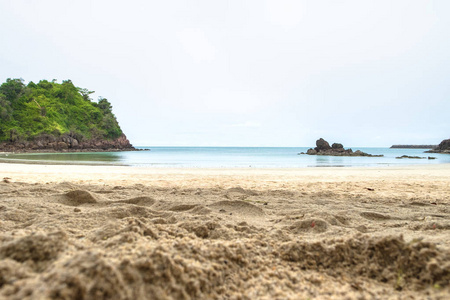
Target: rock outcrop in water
[
  {"x": 414, "y": 157},
  {"x": 443, "y": 147},
  {"x": 336, "y": 149}
]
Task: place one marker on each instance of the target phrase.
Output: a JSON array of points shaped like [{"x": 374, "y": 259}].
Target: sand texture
[{"x": 84, "y": 232}]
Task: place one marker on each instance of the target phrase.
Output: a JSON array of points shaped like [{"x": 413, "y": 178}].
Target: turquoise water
[{"x": 235, "y": 157}]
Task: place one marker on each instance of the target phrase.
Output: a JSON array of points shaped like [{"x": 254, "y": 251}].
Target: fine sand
[{"x": 102, "y": 232}]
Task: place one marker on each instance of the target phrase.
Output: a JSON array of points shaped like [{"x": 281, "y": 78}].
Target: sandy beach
[{"x": 115, "y": 232}]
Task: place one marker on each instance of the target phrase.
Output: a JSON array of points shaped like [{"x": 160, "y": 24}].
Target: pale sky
[{"x": 245, "y": 73}]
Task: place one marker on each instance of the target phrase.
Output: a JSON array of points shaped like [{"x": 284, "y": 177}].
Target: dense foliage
[{"x": 29, "y": 111}]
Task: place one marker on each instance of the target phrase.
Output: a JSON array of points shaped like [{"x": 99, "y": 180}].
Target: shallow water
[{"x": 232, "y": 157}]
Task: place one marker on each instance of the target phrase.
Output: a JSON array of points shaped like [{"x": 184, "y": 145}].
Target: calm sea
[{"x": 235, "y": 157}]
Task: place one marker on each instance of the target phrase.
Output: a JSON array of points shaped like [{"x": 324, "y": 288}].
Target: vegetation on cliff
[
  {"x": 50, "y": 108},
  {"x": 28, "y": 111}
]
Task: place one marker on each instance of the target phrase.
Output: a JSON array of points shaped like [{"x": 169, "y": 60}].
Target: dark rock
[
  {"x": 66, "y": 143},
  {"x": 74, "y": 143},
  {"x": 337, "y": 146},
  {"x": 311, "y": 151},
  {"x": 411, "y": 157},
  {"x": 323, "y": 148},
  {"x": 62, "y": 145},
  {"x": 359, "y": 152},
  {"x": 322, "y": 145},
  {"x": 443, "y": 147}
]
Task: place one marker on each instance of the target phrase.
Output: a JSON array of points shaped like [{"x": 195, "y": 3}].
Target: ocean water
[{"x": 233, "y": 157}]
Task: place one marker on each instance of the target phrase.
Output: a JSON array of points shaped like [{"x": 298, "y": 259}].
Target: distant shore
[{"x": 413, "y": 146}]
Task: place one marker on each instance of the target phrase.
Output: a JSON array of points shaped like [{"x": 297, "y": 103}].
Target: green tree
[
  {"x": 13, "y": 89},
  {"x": 5, "y": 108},
  {"x": 85, "y": 93},
  {"x": 104, "y": 105}
]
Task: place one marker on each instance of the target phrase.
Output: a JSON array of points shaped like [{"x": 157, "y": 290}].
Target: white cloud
[
  {"x": 246, "y": 124},
  {"x": 285, "y": 13},
  {"x": 196, "y": 44}
]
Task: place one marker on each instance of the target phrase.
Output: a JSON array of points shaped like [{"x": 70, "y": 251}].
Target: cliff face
[
  {"x": 50, "y": 143},
  {"x": 51, "y": 117},
  {"x": 443, "y": 147}
]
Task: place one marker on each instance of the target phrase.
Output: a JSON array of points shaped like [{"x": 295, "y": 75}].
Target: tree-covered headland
[{"x": 58, "y": 116}]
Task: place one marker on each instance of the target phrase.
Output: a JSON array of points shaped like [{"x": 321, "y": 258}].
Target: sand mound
[
  {"x": 150, "y": 273},
  {"x": 85, "y": 276},
  {"x": 211, "y": 229},
  {"x": 11, "y": 271},
  {"x": 15, "y": 215},
  {"x": 343, "y": 219},
  {"x": 183, "y": 207},
  {"x": 6, "y": 187},
  {"x": 239, "y": 190},
  {"x": 141, "y": 201},
  {"x": 237, "y": 207},
  {"x": 120, "y": 211},
  {"x": 201, "y": 210},
  {"x": 310, "y": 225},
  {"x": 387, "y": 259},
  {"x": 36, "y": 247},
  {"x": 116, "y": 234},
  {"x": 197, "y": 268},
  {"x": 374, "y": 216},
  {"x": 78, "y": 197},
  {"x": 155, "y": 275},
  {"x": 442, "y": 225}
]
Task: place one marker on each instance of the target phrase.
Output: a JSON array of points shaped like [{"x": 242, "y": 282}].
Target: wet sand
[{"x": 112, "y": 232}]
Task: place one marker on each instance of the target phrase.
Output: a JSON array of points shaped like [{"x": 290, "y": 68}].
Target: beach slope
[{"x": 111, "y": 232}]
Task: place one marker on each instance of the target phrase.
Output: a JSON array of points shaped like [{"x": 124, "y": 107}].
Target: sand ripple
[{"x": 79, "y": 241}]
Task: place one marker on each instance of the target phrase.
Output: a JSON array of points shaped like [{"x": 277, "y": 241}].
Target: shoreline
[
  {"x": 132, "y": 175},
  {"x": 56, "y": 163},
  {"x": 53, "y": 151}
]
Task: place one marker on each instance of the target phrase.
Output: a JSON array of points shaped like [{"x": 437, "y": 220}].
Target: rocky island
[
  {"x": 324, "y": 148},
  {"x": 56, "y": 117},
  {"x": 443, "y": 147}
]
